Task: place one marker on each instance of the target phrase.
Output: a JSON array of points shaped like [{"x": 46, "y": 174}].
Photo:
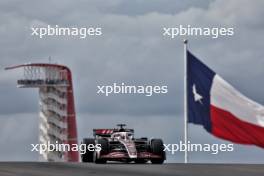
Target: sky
[{"x": 132, "y": 50}]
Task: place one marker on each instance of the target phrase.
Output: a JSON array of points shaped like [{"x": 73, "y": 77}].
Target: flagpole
[{"x": 185, "y": 42}]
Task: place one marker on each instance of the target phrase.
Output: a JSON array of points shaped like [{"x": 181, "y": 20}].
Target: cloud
[
  {"x": 132, "y": 50},
  {"x": 17, "y": 132}
]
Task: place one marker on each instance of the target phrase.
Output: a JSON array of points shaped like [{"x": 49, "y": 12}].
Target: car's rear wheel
[
  {"x": 157, "y": 149},
  {"x": 88, "y": 155}
]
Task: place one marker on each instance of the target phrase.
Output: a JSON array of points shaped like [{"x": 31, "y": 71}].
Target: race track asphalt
[{"x": 83, "y": 169}]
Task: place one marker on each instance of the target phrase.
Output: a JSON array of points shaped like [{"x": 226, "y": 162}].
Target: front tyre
[
  {"x": 104, "y": 150},
  {"x": 157, "y": 149},
  {"x": 88, "y": 155},
  {"x": 97, "y": 159}
]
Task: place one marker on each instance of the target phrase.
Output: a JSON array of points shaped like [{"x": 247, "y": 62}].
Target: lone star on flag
[{"x": 197, "y": 97}]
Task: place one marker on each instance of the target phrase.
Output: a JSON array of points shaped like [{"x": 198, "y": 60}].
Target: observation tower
[{"x": 57, "y": 122}]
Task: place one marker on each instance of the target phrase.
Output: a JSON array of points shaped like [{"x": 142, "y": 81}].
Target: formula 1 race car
[{"x": 120, "y": 145}]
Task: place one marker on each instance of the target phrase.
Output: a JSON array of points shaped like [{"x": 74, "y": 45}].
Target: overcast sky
[{"x": 132, "y": 50}]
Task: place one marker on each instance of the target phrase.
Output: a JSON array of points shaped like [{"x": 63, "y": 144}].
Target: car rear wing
[{"x": 109, "y": 132}]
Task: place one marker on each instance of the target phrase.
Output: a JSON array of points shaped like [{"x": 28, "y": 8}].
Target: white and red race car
[{"x": 120, "y": 145}]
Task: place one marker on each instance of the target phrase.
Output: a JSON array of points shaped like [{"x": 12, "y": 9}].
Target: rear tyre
[
  {"x": 88, "y": 155},
  {"x": 157, "y": 149},
  {"x": 104, "y": 150}
]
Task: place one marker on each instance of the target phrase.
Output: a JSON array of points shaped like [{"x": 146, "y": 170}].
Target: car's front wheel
[
  {"x": 157, "y": 149},
  {"x": 88, "y": 155},
  {"x": 97, "y": 159},
  {"x": 104, "y": 150}
]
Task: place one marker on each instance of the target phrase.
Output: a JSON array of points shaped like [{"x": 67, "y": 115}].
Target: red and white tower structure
[{"x": 57, "y": 123}]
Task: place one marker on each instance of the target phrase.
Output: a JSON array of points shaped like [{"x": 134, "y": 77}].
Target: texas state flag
[{"x": 220, "y": 108}]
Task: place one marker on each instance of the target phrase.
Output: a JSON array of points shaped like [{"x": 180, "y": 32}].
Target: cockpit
[{"x": 122, "y": 136}]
